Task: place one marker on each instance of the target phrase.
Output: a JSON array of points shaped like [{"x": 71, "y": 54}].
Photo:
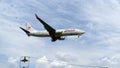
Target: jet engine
[{"x": 62, "y": 38}]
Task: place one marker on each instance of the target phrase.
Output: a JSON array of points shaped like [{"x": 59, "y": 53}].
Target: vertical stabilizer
[{"x": 29, "y": 27}]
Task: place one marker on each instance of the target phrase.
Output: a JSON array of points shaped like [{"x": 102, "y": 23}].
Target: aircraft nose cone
[{"x": 83, "y": 32}]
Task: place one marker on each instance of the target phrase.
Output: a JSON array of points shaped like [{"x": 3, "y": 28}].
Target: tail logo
[{"x": 28, "y": 28}]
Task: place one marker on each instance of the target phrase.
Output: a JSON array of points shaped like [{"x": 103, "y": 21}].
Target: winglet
[{"x": 36, "y": 16}]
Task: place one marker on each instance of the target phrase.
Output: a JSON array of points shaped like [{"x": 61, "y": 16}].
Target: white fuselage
[{"x": 65, "y": 32}]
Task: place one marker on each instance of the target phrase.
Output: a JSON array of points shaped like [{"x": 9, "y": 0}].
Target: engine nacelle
[{"x": 62, "y": 38}]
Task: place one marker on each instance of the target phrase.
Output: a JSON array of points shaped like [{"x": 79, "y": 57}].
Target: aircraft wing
[{"x": 50, "y": 29}]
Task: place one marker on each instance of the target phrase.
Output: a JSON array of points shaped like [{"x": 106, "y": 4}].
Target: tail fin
[{"x": 29, "y": 27}]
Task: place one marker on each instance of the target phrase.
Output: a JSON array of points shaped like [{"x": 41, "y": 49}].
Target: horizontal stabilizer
[{"x": 27, "y": 32}]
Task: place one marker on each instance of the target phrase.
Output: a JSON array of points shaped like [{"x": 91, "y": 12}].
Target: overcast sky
[{"x": 99, "y": 46}]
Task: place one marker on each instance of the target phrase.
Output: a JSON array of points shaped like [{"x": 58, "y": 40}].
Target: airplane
[
  {"x": 50, "y": 31},
  {"x": 24, "y": 60}
]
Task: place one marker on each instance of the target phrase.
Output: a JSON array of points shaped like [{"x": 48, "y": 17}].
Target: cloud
[
  {"x": 111, "y": 61},
  {"x": 46, "y": 63},
  {"x": 42, "y": 62},
  {"x": 9, "y": 63},
  {"x": 62, "y": 56},
  {"x": 59, "y": 62},
  {"x": 13, "y": 34},
  {"x": 103, "y": 22}
]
